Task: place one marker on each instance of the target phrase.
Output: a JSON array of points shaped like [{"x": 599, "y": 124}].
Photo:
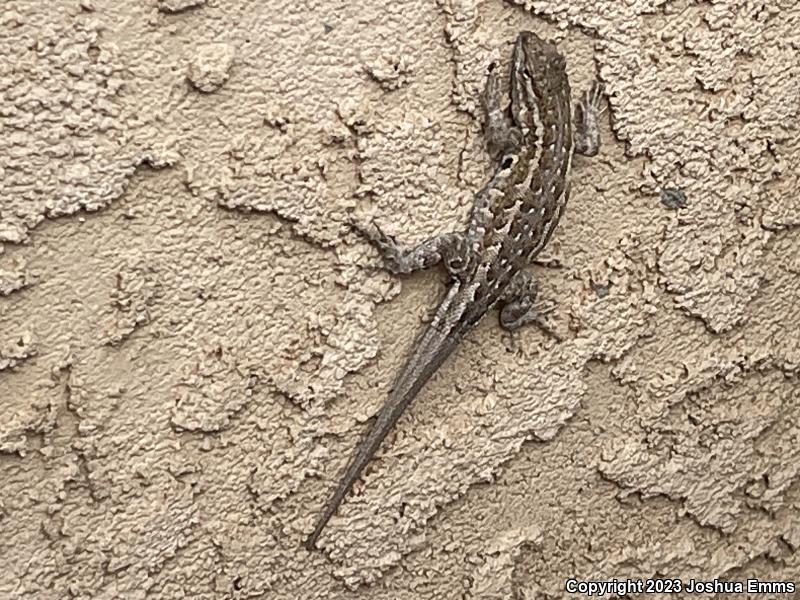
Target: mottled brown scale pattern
[{"x": 539, "y": 177}]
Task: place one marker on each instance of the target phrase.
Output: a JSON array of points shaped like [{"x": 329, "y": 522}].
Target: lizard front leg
[
  {"x": 450, "y": 248},
  {"x": 519, "y": 305},
  {"x": 502, "y": 137},
  {"x": 587, "y": 113}
]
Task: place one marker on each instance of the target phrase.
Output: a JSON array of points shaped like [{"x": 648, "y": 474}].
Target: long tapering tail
[{"x": 429, "y": 352}]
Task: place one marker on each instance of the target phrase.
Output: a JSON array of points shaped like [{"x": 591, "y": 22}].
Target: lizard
[{"x": 512, "y": 218}]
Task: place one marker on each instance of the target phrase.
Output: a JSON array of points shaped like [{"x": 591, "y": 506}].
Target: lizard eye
[
  {"x": 455, "y": 264},
  {"x": 508, "y": 162}
]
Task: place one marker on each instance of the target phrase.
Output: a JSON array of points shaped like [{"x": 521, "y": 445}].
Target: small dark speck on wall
[
  {"x": 673, "y": 198},
  {"x": 327, "y": 28},
  {"x": 601, "y": 289}
]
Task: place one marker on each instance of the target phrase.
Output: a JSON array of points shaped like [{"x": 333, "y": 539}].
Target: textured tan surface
[{"x": 191, "y": 340}]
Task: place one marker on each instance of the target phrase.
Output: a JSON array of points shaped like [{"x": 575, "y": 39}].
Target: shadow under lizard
[{"x": 512, "y": 219}]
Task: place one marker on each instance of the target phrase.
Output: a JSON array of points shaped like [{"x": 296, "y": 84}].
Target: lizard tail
[
  {"x": 379, "y": 430},
  {"x": 430, "y": 350}
]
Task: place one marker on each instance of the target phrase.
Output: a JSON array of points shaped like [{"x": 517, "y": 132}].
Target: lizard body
[{"x": 512, "y": 219}]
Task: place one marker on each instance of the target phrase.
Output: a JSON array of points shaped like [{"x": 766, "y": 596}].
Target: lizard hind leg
[
  {"x": 519, "y": 306},
  {"x": 450, "y": 248},
  {"x": 587, "y": 114}
]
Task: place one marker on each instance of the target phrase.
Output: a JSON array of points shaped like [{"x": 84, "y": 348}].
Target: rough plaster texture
[{"x": 191, "y": 339}]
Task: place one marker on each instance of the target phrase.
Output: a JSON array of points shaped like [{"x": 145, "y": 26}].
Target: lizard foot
[
  {"x": 587, "y": 114},
  {"x": 402, "y": 260}
]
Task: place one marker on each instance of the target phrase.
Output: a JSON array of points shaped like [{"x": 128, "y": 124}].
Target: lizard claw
[
  {"x": 354, "y": 225},
  {"x": 545, "y": 307},
  {"x": 545, "y": 328},
  {"x": 542, "y": 310},
  {"x": 593, "y": 98},
  {"x": 587, "y": 112},
  {"x": 386, "y": 243},
  {"x": 384, "y": 238},
  {"x": 371, "y": 231}
]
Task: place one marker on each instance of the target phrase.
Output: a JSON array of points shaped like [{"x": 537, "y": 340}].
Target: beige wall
[{"x": 191, "y": 339}]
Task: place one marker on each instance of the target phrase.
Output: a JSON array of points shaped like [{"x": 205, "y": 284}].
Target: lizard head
[
  {"x": 538, "y": 70},
  {"x": 540, "y": 58}
]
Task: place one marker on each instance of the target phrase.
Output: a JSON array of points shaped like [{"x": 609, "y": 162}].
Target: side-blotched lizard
[{"x": 512, "y": 219}]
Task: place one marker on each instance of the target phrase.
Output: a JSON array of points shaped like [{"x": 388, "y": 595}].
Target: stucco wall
[{"x": 192, "y": 339}]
